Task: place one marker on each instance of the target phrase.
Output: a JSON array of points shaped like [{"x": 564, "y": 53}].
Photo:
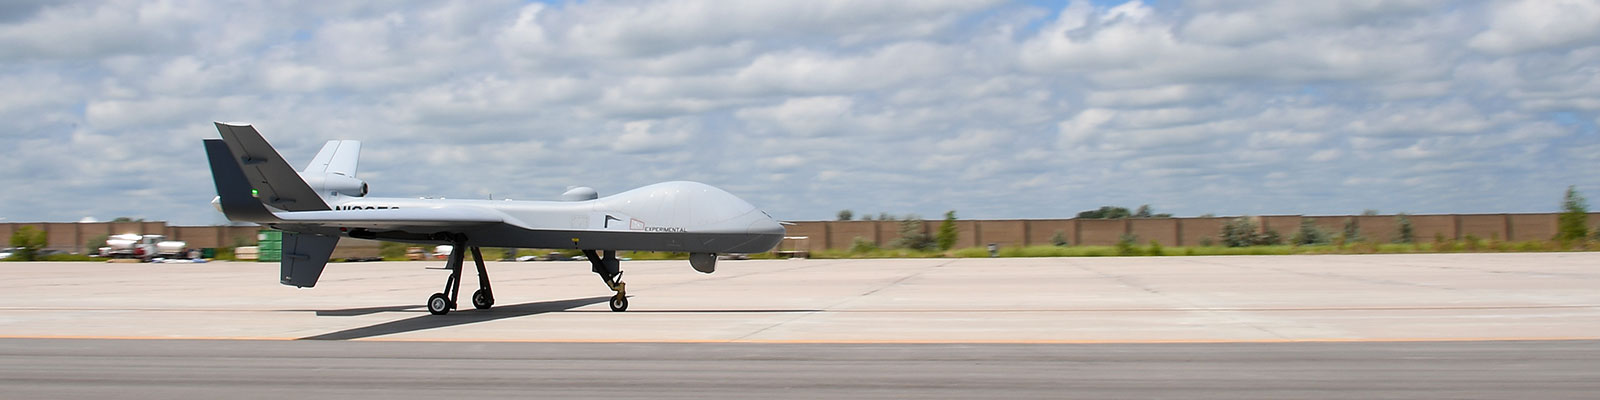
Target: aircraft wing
[{"x": 397, "y": 219}]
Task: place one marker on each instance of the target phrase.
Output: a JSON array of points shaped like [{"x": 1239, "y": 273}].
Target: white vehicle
[{"x": 133, "y": 245}]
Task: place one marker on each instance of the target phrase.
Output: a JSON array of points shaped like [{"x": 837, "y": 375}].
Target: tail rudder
[
  {"x": 235, "y": 197},
  {"x": 275, "y": 183}
]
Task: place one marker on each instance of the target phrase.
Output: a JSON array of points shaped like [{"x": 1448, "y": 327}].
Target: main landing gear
[
  {"x": 610, "y": 270},
  {"x": 607, "y": 265},
  {"x": 442, "y": 303}
]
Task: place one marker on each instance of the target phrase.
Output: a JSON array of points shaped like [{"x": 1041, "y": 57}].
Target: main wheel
[
  {"x": 619, "y": 302},
  {"x": 438, "y": 304},
  {"x": 482, "y": 299}
]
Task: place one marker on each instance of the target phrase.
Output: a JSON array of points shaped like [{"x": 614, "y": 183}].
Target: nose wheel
[
  {"x": 619, "y": 302},
  {"x": 610, "y": 270}
]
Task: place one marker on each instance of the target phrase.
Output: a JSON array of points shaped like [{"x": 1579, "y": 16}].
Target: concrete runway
[
  {"x": 166, "y": 369},
  {"x": 1403, "y": 326},
  {"x": 1043, "y": 300}
]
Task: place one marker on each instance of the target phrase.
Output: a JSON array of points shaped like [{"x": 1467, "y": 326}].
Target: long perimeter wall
[
  {"x": 822, "y": 235},
  {"x": 834, "y": 235}
]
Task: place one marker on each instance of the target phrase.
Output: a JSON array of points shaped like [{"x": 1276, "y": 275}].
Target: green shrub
[
  {"x": 947, "y": 231},
  {"x": 1404, "y": 232},
  {"x": 1125, "y": 245},
  {"x": 1155, "y": 249},
  {"x": 1270, "y": 238},
  {"x": 1309, "y": 234},
  {"x": 392, "y": 250},
  {"x": 974, "y": 252},
  {"x": 1239, "y": 232},
  {"x": 1573, "y": 223},
  {"x": 1243, "y": 232},
  {"x": 1352, "y": 232},
  {"x": 28, "y": 240},
  {"x": 912, "y": 236},
  {"x": 95, "y": 243},
  {"x": 1059, "y": 239},
  {"x": 862, "y": 245},
  {"x": 67, "y": 257}
]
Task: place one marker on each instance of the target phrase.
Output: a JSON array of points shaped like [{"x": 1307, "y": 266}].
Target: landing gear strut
[
  {"x": 442, "y": 303},
  {"x": 610, "y": 270}
]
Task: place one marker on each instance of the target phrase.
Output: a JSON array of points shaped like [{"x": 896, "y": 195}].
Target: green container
[
  {"x": 209, "y": 252},
  {"x": 271, "y": 244}
]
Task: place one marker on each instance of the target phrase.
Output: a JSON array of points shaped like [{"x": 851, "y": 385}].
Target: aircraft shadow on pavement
[
  {"x": 671, "y": 311},
  {"x": 356, "y": 312},
  {"x": 460, "y": 317}
]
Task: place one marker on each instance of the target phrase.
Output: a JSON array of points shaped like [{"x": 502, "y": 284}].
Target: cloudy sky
[{"x": 995, "y": 109}]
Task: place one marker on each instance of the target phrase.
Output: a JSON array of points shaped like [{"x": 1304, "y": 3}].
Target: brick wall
[
  {"x": 1101, "y": 232},
  {"x": 1189, "y": 231},
  {"x": 72, "y": 237},
  {"x": 1532, "y": 227}
]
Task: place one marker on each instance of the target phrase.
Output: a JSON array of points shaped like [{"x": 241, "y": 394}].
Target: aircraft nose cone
[{"x": 766, "y": 226}]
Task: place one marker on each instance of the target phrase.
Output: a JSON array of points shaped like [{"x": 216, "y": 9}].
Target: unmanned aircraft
[{"x": 316, "y": 206}]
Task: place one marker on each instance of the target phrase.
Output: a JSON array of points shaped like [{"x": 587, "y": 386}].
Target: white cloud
[
  {"x": 1284, "y": 139},
  {"x": 1529, "y": 25},
  {"x": 643, "y": 136},
  {"x": 290, "y": 77},
  {"x": 974, "y": 141},
  {"x": 73, "y": 30},
  {"x": 806, "y": 116},
  {"x": 1449, "y": 118},
  {"x": 614, "y": 29},
  {"x": 804, "y": 108},
  {"x": 1123, "y": 51},
  {"x": 1234, "y": 22},
  {"x": 1144, "y": 97},
  {"x": 1326, "y": 155},
  {"x": 1084, "y": 126},
  {"x": 809, "y": 71}
]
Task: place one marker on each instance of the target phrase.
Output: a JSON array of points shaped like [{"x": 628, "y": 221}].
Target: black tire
[
  {"x": 619, "y": 302},
  {"x": 438, "y": 304},
  {"x": 482, "y": 299}
]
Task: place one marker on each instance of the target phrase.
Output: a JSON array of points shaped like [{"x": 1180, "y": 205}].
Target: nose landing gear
[{"x": 610, "y": 270}]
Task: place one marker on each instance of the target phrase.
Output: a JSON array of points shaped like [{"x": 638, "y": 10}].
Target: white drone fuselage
[
  {"x": 326, "y": 201},
  {"x": 676, "y": 216}
]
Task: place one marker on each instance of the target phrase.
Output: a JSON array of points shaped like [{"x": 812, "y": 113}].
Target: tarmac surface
[
  {"x": 166, "y": 369},
  {"x": 1345, "y": 326}
]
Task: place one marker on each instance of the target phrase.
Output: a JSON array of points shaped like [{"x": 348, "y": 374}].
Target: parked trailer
[{"x": 145, "y": 247}]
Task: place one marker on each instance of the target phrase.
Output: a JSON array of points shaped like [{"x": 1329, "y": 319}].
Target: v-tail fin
[
  {"x": 276, "y": 183},
  {"x": 304, "y": 257},
  {"x": 235, "y": 197}
]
